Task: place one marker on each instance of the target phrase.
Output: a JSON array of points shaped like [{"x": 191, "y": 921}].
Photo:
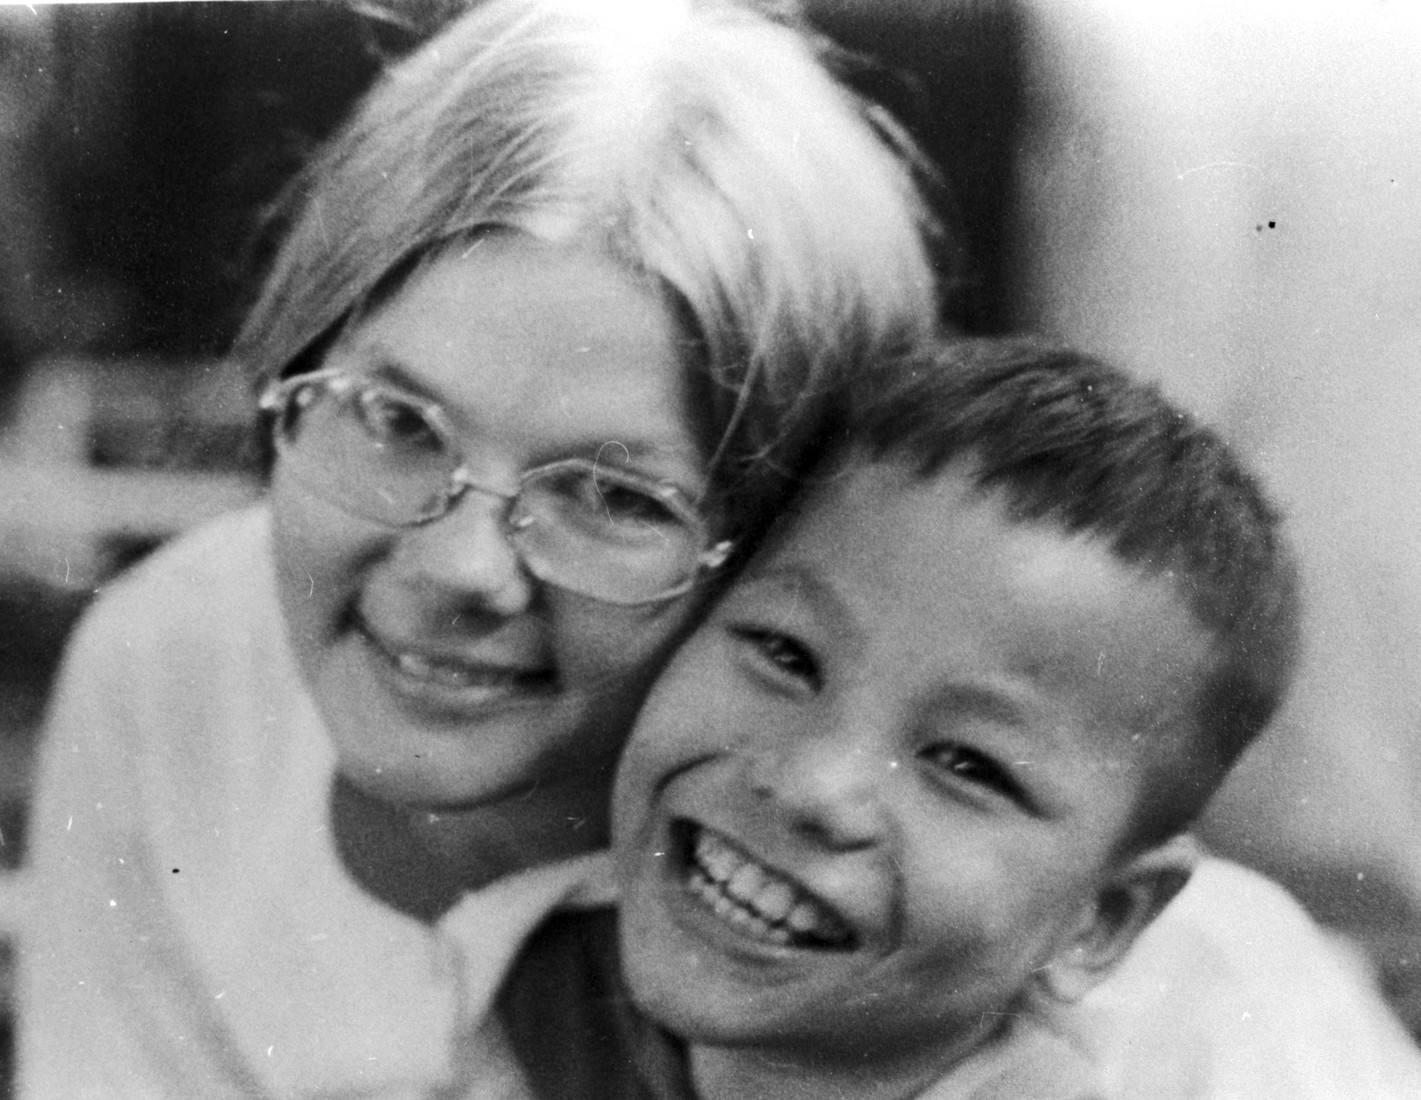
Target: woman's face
[{"x": 448, "y": 676}]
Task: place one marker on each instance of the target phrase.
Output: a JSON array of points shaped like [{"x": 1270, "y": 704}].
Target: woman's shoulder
[
  {"x": 179, "y": 689},
  {"x": 192, "y": 629},
  {"x": 230, "y": 551},
  {"x": 217, "y": 575}
]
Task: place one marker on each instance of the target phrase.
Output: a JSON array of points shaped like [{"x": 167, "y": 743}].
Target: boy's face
[{"x": 882, "y": 791}]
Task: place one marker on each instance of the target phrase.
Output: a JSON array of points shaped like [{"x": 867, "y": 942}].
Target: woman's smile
[
  {"x": 447, "y": 673},
  {"x": 463, "y": 679}
]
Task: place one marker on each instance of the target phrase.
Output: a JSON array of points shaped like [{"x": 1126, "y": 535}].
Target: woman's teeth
[
  {"x": 466, "y": 675},
  {"x": 452, "y": 672},
  {"x": 756, "y": 900},
  {"x": 449, "y": 674}
]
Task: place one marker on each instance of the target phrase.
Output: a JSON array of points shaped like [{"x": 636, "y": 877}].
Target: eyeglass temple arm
[{"x": 716, "y": 556}]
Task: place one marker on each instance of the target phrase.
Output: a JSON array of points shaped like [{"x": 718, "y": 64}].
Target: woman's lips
[
  {"x": 753, "y": 899},
  {"x": 458, "y": 673},
  {"x": 449, "y": 673}
]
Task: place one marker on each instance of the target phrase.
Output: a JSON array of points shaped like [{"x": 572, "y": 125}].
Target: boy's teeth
[
  {"x": 718, "y": 859},
  {"x": 745, "y": 883},
  {"x": 801, "y": 918},
  {"x": 776, "y": 901},
  {"x": 755, "y": 899}
]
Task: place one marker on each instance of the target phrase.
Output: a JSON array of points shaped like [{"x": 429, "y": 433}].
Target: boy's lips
[{"x": 752, "y": 898}]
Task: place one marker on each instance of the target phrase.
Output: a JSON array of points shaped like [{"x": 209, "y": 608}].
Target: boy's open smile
[{"x": 751, "y": 898}]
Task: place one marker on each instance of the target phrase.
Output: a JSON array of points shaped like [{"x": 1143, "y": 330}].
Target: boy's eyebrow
[
  {"x": 982, "y": 701},
  {"x": 802, "y": 583}
]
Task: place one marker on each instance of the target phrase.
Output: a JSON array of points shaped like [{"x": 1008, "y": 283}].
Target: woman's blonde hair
[{"x": 700, "y": 142}]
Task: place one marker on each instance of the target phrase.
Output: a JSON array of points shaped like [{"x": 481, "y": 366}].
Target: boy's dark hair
[{"x": 1072, "y": 441}]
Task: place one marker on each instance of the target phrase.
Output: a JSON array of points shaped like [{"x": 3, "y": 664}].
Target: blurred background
[{"x": 1226, "y": 198}]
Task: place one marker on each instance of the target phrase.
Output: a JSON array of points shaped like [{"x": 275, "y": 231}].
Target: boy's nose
[
  {"x": 466, "y": 555},
  {"x": 827, "y": 788}
]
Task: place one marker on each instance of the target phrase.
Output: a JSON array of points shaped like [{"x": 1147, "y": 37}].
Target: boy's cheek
[
  {"x": 693, "y": 709},
  {"x": 656, "y": 752},
  {"x": 686, "y": 722}
]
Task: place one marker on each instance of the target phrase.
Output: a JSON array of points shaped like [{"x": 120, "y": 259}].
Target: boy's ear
[{"x": 1124, "y": 905}]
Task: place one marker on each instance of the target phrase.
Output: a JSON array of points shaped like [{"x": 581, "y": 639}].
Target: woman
[{"x": 557, "y": 320}]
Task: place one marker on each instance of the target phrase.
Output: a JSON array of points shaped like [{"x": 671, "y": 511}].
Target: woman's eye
[
  {"x": 598, "y": 503},
  {"x": 394, "y": 422},
  {"x": 626, "y": 503},
  {"x": 783, "y": 655},
  {"x": 971, "y": 766}
]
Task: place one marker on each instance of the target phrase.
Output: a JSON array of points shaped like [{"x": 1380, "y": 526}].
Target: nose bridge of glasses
[{"x": 462, "y": 481}]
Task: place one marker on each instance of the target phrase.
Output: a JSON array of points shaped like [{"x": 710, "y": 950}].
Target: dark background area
[{"x": 167, "y": 128}]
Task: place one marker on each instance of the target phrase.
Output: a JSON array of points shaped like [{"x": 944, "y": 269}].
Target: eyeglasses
[{"x": 589, "y": 527}]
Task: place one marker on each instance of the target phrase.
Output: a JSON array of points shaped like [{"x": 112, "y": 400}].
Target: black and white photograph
[{"x": 710, "y": 550}]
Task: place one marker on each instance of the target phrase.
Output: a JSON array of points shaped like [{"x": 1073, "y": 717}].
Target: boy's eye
[
  {"x": 971, "y": 766},
  {"x": 782, "y": 655}
]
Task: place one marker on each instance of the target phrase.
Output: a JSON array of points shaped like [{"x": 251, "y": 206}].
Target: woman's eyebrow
[
  {"x": 383, "y": 365},
  {"x": 621, "y": 451},
  {"x": 378, "y": 362}
]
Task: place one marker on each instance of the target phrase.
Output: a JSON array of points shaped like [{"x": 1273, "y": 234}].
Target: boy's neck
[
  {"x": 421, "y": 861},
  {"x": 762, "y": 1073}
]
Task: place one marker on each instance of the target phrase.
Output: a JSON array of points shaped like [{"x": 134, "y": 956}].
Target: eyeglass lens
[{"x": 587, "y": 527}]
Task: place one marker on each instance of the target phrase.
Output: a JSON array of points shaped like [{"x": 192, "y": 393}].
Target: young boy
[{"x": 918, "y": 783}]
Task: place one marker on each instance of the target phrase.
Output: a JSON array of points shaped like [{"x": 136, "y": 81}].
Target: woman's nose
[
  {"x": 827, "y": 787},
  {"x": 465, "y": 555}
]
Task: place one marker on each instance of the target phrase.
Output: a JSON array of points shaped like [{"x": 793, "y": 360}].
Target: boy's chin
[
  {"x": 715, "y": 983},
  {"x": 814, "y": 1017}
]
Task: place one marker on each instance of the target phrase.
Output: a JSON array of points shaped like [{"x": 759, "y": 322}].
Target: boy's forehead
[
  {"x": 940, "y": 534},
  {"x": 939, "y": 567}
]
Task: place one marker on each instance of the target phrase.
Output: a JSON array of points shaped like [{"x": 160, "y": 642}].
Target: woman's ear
[{"x": 1127, "y": 900}]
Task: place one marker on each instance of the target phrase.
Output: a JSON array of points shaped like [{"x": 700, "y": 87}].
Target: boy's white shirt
[
  {"x": 195, "y": 933},
  {"x": 1233, "y": 994}
]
